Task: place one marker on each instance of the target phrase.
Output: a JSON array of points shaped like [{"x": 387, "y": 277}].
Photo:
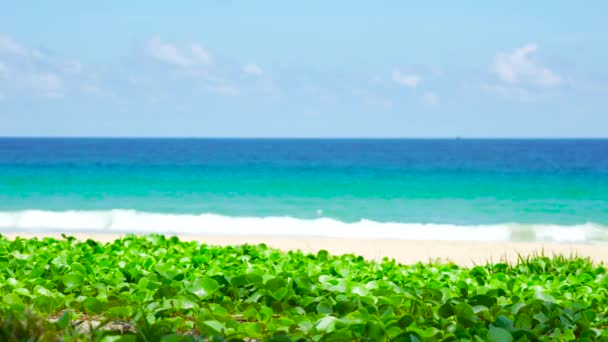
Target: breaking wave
[{"x": 132, "y": 221}]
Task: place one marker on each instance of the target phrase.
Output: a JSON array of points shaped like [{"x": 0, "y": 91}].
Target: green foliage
[{"x": 155, "y": 288}]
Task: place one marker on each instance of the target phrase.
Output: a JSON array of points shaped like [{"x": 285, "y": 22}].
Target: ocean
[{"x": 445, "y": 189}]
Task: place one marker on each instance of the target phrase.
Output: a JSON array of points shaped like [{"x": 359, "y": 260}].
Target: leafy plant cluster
[{"x": 155, "y": 288}]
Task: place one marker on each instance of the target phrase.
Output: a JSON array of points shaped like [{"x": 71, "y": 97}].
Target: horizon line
[{"x": 302, "y": 137}]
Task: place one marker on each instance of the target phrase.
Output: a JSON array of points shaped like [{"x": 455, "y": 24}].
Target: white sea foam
[{"x": 132, "y": 221}]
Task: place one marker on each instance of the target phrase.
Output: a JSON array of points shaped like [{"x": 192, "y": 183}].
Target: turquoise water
[{"x": 448, "y": 182}]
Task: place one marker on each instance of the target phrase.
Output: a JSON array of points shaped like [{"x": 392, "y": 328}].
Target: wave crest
[{"x": 132, "y": 221}]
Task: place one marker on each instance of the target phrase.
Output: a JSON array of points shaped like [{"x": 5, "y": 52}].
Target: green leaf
[
  {"x": 204, "y": 287},
  {"x": 142, "y": 284},
  {"x": 589, "y": 315},
  {"x": 360, "y": 290},
  {"x": 405, "y": 321},
  {"x": 43, "y": 304},
  {"x": 409, "y": 336},
  {"x": 464, "y": 310},
  {"x": 93, "y": 305},
  {"x": 335, "y": 336},
  {"x": 251, "y": 330},
  {"x": 484, "y": 300},
  {"x": 275, "y": 284},
  {"x": 265, "y": 314},
  {"x": 322, "y": 255},
  {"x": 345, "y": 307},
  {"x": 239, "y": 280},
  {"x": 12, "y": 299},
  {"x": 78, "y": 268},
  {"x": 430, "y": 332},
  {"x": 42, "y": 291},
  {"x": 326, "y": 324},
  {"x": 280, "y": 338},
  {"x": 23, "y": 292},
  {"x": 523, "y": 321},
  {"x": 375, "y": 331},
  {"x": 120, "y": 312},
  {"x": 324, "y": 308},
  {"x": 499, "y": 335},
  {"x": 119, "y": 338},
  {"x": 446, "y": 310},
  {"x": 72, "y": 281},
  {"x": 64, "y": 320},
  {"x": 213, "y": 328},
  {"x": 176, "y": 338},
  {"x": 504, "y": 322}
]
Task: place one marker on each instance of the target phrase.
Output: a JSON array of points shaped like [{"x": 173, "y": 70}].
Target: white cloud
[
  {"x": 8, "y": 45},
  {"x": 407, "y": 80},
  {"x": 50, "y": 84},
  {"x": 431, "y": 98},
  {"x": 253, "y": 69},
  {"x": 73, "y": 67},
  {"x": 201, "y": 55},
  {"x": 520, "y": 67},
  {"x": 26, "y": 71},
  {"x": 192, "y": 62},
  {"x": 193, "y": 55},
  {"x": 167, "y": 53},
  {"x": 522, "y": 94}
]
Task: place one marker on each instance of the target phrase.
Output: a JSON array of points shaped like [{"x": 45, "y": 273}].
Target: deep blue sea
[{"x": 522, "y": 190}]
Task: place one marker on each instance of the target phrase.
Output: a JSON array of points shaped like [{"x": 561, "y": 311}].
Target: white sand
[{"x": 404, "y": 251}]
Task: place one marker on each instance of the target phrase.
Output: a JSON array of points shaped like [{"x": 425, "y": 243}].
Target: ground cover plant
[{"x": 155, "y": 288}]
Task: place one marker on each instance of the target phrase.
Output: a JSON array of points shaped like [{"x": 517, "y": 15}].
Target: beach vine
[{"x": 157, "y": 288}]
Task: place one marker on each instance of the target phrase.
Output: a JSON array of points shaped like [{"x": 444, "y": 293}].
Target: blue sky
[{"x": 311, "y": 69}]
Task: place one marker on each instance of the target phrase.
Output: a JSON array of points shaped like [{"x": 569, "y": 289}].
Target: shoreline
[{"x": 463, "y": 253}]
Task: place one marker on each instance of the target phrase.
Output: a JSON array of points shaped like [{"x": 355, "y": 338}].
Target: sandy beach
[{"x": 403, "y": 251}]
